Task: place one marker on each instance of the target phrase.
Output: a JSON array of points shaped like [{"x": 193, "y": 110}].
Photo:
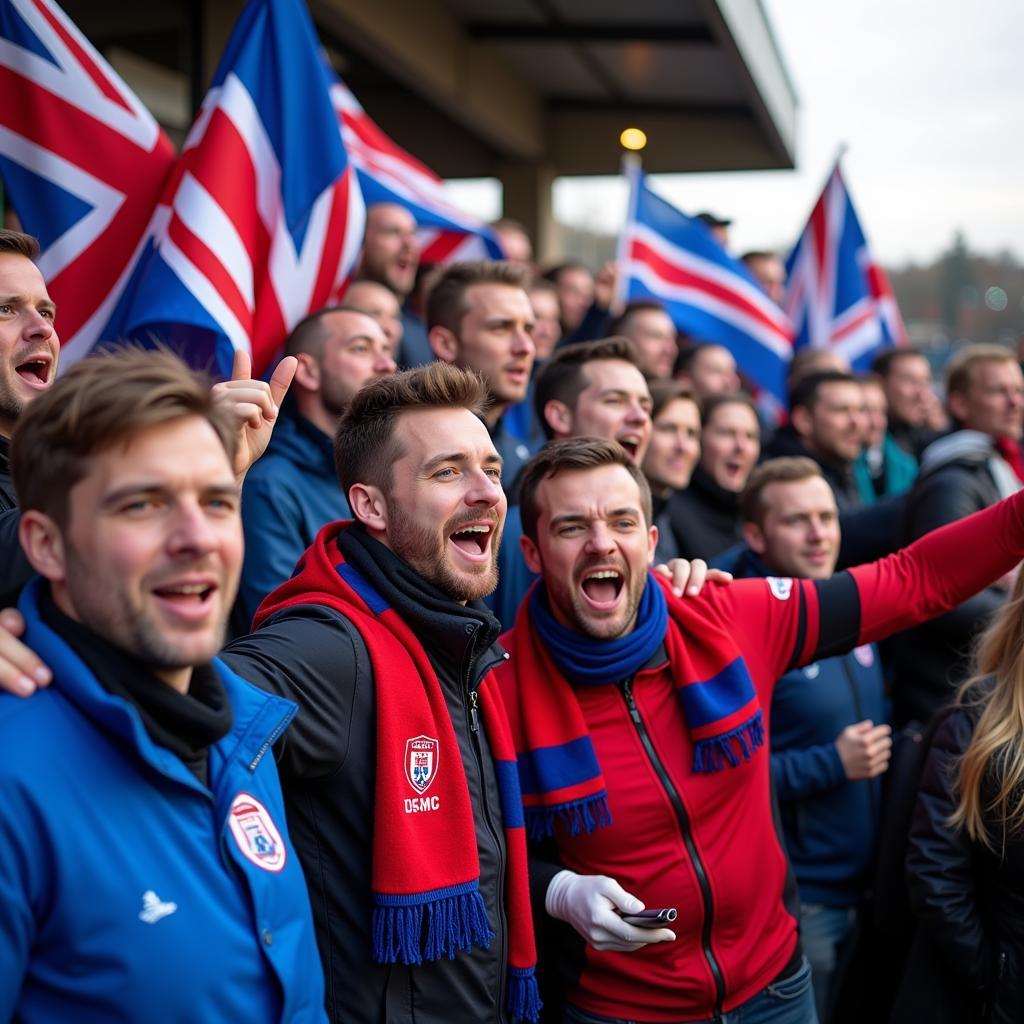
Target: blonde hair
[{"x": 989, "y": 779}]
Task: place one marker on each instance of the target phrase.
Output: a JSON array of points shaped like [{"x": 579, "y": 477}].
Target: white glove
[{"x": 592, "y": 903}]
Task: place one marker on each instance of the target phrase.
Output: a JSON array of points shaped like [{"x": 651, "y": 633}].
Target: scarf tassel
[
  {"x": 713, "y": 753},
  {"x": 523, "y": 994},
  {"x": 578, "y": 816},
  {"x": 454, "y": 922}
]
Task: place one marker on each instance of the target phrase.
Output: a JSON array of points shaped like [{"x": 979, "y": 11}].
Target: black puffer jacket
[
  {"x": 968, "y": 954},
  {"x": 705, "y": 518},
  {"x": 314, "y": 656}
]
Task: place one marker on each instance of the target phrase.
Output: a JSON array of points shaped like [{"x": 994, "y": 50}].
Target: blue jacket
[
  {"x": 128, "y": 890},
  {"x": 288, "y": 495},
  {"x": 830, "y": 824}
]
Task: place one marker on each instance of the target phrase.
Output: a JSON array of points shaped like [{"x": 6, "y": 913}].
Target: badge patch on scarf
[{"x": 421, "y": 760}]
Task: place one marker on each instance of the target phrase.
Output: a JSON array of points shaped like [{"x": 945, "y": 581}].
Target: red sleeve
[
  {"x": 780, "y": 623},
  {"x": 939, "y": 571},
  {"x": 774, "y": 622},
  {"x": 921, "y": 581}
]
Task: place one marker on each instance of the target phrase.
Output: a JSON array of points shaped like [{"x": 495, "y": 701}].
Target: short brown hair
[
  {"x": 365, "y": 446},
  {"x": 104, "y": 400},
  {"x": 665, "y": 391},
  {"x": 19, "y": 243},
  {"x": 885, "y": 362},
  {"x": 566, "y": 455},
  {"x": 961, "y": 367},
  {"x": 447, "y": 303},
  {"x": 788, "y": 470},
  {"x": 715, "y": 402},
  {"x": 807, "y": 391},
  {"x": 620, "y": 324},
  {"x": 561, "y": 379}
]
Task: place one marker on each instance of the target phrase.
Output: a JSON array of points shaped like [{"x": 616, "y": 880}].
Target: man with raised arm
[{"x": 641, "y": 729}]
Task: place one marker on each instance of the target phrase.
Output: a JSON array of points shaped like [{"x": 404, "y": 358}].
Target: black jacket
[
  {"x": 15, "y": 570},
  {"x": 928, "y": 661},
  {"x": 705, "y": 518},
  {"x": 314, "y": 656},
  {"x": 968, "y": 952},
  {"x": 787, "y": 443}
]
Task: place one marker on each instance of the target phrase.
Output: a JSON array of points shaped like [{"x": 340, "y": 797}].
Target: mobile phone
[{"x": 653, "y": 918}]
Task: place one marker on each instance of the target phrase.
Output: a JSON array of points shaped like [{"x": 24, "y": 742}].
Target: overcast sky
[{"x": 928, "y": 96}]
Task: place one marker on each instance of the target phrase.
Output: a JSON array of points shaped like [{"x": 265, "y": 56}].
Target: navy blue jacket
[
  {"x": 288, "y": 495},
  {"x": 130, "y": 891},
  {"x": 830, "y": 824}
]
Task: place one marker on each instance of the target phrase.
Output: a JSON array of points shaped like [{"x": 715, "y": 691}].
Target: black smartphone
[{"x": 653, "y": 918}]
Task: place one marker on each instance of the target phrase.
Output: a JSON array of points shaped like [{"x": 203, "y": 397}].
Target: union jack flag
[
  {"x": 262, "y": 219},
  {"x": 836, "y": 294},
  {"x": 388, "y": 174},
  {"x": 82, "y": 161},
  {"x": 674, "y": 259}
]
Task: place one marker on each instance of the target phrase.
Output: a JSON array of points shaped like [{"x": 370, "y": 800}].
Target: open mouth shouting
[
  {"x": 631, "y": 442},
  {"x": 601, "y": 588},
  {"x": 35, "y": 371},
  {"x": 473, "y": 540}
]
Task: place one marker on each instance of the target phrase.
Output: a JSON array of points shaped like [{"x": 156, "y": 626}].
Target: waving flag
[
  {"x": 836, "y": 295},
  {"x": 667, "y": 256},
  {"x": 262, "y": 219},
  {"x": 388, "y": 174},
  {"x": 82, "y": 161}
]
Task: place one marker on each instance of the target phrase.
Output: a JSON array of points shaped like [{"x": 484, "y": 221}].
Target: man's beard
[
  {"x": 425, "y": 551},
  {"x": 12, "y": 405},
  {"x": 335, "y": 396}
]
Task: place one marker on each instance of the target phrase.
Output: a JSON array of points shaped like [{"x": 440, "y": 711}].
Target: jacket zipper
[
  {"x": 626, "y": 687},
  {"x": 473, "y": 717},
  {"x": 270, "y": 740}
]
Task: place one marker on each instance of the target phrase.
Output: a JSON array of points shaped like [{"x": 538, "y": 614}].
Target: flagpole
[{"x": 632, "y": 169}]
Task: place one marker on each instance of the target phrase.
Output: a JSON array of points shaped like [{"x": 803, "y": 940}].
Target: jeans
[
  {"x": 822, "y": 930},
  {"x": 790, "y": 1001}
]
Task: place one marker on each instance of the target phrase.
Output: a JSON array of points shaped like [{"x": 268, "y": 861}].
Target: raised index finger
[
  {"x": 241, "y": 368},
  {"x": 282, "y": 378}
]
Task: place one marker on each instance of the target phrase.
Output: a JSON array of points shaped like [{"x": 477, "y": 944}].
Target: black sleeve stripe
[
  {"x": 838, "y": 615},
  {"x": 801, "y": 627}
]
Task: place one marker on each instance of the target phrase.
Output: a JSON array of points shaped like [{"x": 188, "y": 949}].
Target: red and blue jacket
[{"x": 706, "y": 843}]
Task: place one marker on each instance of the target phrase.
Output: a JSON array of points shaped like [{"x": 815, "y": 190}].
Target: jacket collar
[
  {"x": 703, "y": 483},
  {"x": 258, "y": 718},
  {"x": 445, "y": 627},
  {"x": 302, "y": 442}
]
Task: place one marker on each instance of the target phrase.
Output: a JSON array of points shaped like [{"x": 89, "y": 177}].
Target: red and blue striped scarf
[
  {"x": 559, "y": 774},
  {"x": 426, "y": 873}
]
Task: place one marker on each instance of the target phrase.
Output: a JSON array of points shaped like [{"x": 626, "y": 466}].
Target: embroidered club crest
[
  {"x": 421, "y": 757},
  {"x": 256, "y": 834},
  {"x": 780, "y": 586},
  {"x": 865, "y": 655}
]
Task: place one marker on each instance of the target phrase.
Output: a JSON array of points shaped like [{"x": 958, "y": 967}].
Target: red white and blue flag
[
  {"x": 262, "y": 220},
  {"x": 837, "y": 296},
  {"x": 388, "y": 174},
  {"x": 82, "y": 161},
  {"x": 674, "y": 259}
]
